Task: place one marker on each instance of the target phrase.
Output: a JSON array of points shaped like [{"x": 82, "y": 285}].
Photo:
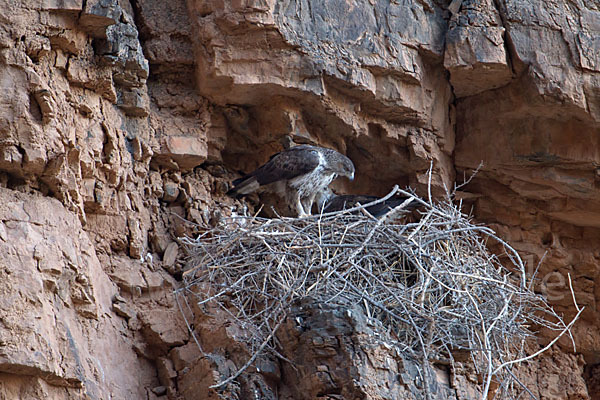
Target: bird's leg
[
  {"x": 299, "y": 207},
  {"x": 307, "y": 206}
]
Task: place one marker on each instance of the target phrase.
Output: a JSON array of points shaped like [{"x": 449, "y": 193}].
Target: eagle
[
  {"x": 328, "y": 201},
  {"x": 297, "y": 174}
]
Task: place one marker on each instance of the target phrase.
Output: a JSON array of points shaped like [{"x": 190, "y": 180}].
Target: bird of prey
[
  {"x": 297, "y": 175},
  {"x": 330, "y": 202}
]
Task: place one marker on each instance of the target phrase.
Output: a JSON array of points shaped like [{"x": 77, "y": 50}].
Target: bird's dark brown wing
[
  {"x": 287, "y": 164},
  {"x": 284, "y": 165}
]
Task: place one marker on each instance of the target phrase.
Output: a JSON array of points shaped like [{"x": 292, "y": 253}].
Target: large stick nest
[{"x": 432, "y": 285}]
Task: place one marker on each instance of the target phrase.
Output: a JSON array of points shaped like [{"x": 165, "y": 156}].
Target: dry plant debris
[{"x": 432, "y": 285}]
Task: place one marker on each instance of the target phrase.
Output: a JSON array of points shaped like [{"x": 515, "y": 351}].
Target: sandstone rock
[
  {"x": 199, "y": 377},
  {"x": 98, "y": 107},
  {"x": 122, "y": 49},
  {"x": 69, "y": 41},
  {"x": 127, "y": 275},
  {"x": 65, "y": 349},
  {"x": 186, "y": 151},
  {"x": 160, "y": 390},
  {"x": 134, "y": 102},
  {"x": 316, "y": 338},
  {"x": 170, "y": 191},
  {"x": 553, "y": 383},
  {"x": 37, "y": 47},
  {"x": 370, "y": 73},
  {"x": 156, "y": 281},
  {"x": 61, "y": 60},
  {"x": 167, "y": 26},
  {"x": 79, "y": 72},
  {"x": 166, "y": 372},
  {"x": 180, "y": 123},
  {"x": 11, "y": 159},
  {"x": 133, "y": 277},
  {"x": 33, "y": 387},
  {"x": 47, "y": 105},
  {"x": 536, "y": 126},
  {"x": 159, "y": 237},
  {"x": 155, "y": 184},
  {"x": 170, "y": 255},
  {"x": 35, "y": 159},
  {"x": 109, "y": 231},
  {"x": 163, "y": 329},
  {"x": 475, "y": 52},
  {"x": 98, "y": 15},
  {"x": 185, "y": 356},
  {"x": 137, "y": 238},
  {"x": 123, "y": 310},
  {"x": 62, "y": 5}
]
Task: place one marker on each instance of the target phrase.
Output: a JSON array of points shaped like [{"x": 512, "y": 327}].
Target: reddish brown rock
[
  {"x": 363, "y": 83},
  {"x": 539, "y": 153},
  {"x": 164, "y": 329},
  {"x": 336, "y": 351},
  {"x": 111, "y": 109},
  {"x": 187, "y": 152},
  {"x": 476, "y": 52},
  {"x": 56, "y": 303}
]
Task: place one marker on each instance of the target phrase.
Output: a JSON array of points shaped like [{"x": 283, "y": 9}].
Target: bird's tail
[{"x": 243, "y": 186}]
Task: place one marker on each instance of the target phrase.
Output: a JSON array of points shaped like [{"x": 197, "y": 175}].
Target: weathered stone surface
[
  {"x": 185, "y": 356},
  {"x": 164, "y": 329},
  {"x": 14, "y": 386},
  {"x": 537, "y": 139},
  {"x": 62, "y": 5},
  {"x": 380, "y": 77},
  {"x": 98, "y": 15},
  {"x": 122, "y": 49},
  {"x": 55, "y": 303},
  {"x": 170, "y": 255},
  {"x": 547, "y": 377},
  {"x": 170, "y": 191},
  {"x": 186, "y": 151},
  {"x": 134, "y": 102},
  {"x": 476, "y": 53},
  {"x": 116, "y": 116},
  {"x": 167, "y": 32},
  {"x": 338, "y": 351}
]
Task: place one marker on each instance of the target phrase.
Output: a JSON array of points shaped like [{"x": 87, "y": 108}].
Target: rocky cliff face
[{"x": 119, "y": 118}]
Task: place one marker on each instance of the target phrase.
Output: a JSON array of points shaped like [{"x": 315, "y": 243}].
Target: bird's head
[{"x": 344, "y": 167}]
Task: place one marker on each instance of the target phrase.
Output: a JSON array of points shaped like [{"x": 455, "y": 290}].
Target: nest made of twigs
[{"x": 432, "y": 285}]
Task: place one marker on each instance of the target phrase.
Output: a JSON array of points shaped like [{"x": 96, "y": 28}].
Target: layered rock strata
[{"x": 119, "y": 120}]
